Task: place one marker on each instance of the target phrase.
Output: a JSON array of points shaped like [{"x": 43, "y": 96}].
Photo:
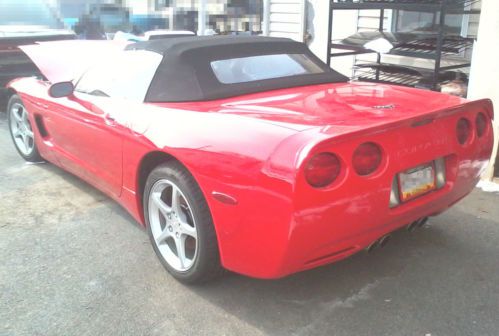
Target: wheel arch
[
  {"x": 4, "y": 101},
  {"x": 150, "y": 161}
]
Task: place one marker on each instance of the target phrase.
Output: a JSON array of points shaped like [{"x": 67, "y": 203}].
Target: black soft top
[{"x": 185, "y": 73}]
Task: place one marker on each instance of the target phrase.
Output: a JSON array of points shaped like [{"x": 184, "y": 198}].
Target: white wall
[
  {"x": 344, "y": 25},
  {"x": 317, "y": 23},
  {"x": 285, "y": 18},
  {"x": 484, "y": 81},
  {"x": 139, "y": 7}
]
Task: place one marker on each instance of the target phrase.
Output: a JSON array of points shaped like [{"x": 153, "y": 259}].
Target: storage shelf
[
  {"x": 406, "y": 76},
  {"x": 450, "y": 8},
  {"x": 437, "y": 47},
  {"x": 450, "y": 46},
  {"x": 404, "y": 80},
  {"x": 422, "y": 48}
]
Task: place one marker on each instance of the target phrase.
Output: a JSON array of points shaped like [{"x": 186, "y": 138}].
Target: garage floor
[{"x": 73, "y": 262}]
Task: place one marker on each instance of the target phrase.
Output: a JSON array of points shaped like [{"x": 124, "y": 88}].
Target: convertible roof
[{"x": 185, "y": 73}]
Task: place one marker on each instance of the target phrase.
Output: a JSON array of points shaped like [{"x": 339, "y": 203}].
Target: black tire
[
  {"x": 206, "y": 264},
  {"x": 32, "y": 155}
]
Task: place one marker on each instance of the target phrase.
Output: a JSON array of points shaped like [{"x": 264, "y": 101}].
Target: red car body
[{"x": 248, "y": 154}]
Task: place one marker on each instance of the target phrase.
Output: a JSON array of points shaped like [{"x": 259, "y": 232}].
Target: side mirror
[{"x": 63, "y": 89}]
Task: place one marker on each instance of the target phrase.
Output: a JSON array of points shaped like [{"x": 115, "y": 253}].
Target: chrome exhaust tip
[
  {"x": 413, "y": 226},
  {"x": 422, "y": 222},
  {"x": 381, "y": 242},
  {"x": 417, "y": 224},
  {"x": 373, "y": 246},
  {"x": 384, "y": 240}
]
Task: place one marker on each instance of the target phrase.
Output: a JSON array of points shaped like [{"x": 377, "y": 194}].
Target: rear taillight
[
  {"x": 322, "y": 169},
  {"x": 481, "y": 124},
  {"x": 367, "y": 158},
  {"x": 463, "y": 131}
]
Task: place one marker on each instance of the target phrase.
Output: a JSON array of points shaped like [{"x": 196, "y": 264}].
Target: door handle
[{"x": 41, "y": 105}]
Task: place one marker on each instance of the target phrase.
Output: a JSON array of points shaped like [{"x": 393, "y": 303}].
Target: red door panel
[{"x": 88, "y": 143}]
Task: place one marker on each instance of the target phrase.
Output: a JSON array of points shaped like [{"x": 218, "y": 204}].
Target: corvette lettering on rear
[{"x": 421, "y": 147}]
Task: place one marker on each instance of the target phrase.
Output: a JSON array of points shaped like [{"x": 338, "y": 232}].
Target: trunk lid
[{"x": 343, "y": 105}]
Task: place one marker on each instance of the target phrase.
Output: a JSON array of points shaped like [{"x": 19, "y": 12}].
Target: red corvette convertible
[{"x": 248, "y": 153}]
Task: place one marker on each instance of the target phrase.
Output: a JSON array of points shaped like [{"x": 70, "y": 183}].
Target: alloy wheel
[
  {"x": 172, "y": 225},
  {"x": 22, "y": 133}
]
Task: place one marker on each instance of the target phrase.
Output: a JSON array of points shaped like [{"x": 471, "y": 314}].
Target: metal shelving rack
[{"x": 429, "y": 51}]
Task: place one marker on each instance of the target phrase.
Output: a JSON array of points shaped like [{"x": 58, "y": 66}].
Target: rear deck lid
[{"x": 339, "y": 107}]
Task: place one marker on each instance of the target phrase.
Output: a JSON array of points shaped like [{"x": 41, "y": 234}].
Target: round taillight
[
  {"x": 322, "y": 169},
  {"x": 367, "y": 158},
  {"x": 463, "y": 131},
  {"x": 481, "y": 124}
]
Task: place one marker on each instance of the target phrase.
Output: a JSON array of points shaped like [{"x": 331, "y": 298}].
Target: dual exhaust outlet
[
  {"x": 381, "y": 242},
  {"x": 417, "y": 224}
]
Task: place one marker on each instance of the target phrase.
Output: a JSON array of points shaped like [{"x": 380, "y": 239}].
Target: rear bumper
[
  {"x": 326, "y": 233},
  {"x": 337, "y": 233}
]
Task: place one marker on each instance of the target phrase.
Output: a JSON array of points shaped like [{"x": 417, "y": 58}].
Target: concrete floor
[{"x": 73, "y": 262}]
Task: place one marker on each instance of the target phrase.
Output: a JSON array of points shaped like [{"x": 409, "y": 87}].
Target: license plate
[{"x": 416, "y": 182}]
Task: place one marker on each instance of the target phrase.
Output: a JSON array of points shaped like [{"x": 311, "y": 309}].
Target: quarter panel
[{"x": 224, "y": 154}]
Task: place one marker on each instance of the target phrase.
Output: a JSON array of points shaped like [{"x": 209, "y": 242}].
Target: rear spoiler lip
[{"x": 485, "y": 104}]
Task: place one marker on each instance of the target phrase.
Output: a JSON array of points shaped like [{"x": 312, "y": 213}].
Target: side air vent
[{"x": 41, "y": 126}]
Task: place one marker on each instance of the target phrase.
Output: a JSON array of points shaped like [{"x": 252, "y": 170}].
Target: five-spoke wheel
[
  {"x": 172, "y": 225},
  {"x": 21, "y": 130},
  {"x": 180, "y": 225}
]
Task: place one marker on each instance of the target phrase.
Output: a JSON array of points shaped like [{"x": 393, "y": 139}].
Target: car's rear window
[{"x": 261, "y": 67}]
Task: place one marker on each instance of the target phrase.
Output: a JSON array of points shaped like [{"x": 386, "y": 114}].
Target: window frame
[{"x": 292, "y": 57}]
